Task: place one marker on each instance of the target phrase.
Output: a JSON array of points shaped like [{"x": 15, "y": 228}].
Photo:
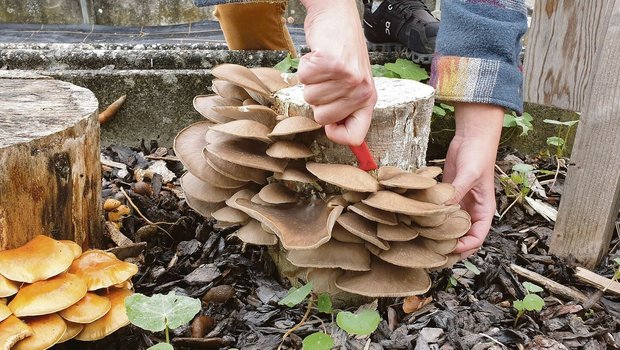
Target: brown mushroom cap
[
  {"x": 258, "y": 113},
  {"x": 289, "y": 150},
  {"x": 230, "y": 216},
  {"x": 73, "y": 329},
  {"x": 409, "y": 254},
  {"x": 428, "y": 221},
  {"x": 12, "y": 330},
  {"x": 294, "y": 125},
  {"x": 333, "y": 254},
  {"x": 345, "y": 176},
  {"x": 5, "y": 312},
  {"x": 246, "y": 153},
  {"x": 324, "y": 280},
  {"x": 234, "y": 171},
  {"x": 241, "y": 76},
  {"x": 385, "y": 280},
  {"x": 257, "y": 200},
  {"x": 112, "y": 321},
  {"x": 429, "y": 171},
  {"x": 451, "y": 260},
  {"x": 47, "y": 330},
  {"x": 214, "y": 136},
  {"x": 398, "y": 233},
  {"x": 387, "y": 172},
  {"x": 354, "y": 197},
  {"x": 340, "y": 234},
  {"x": 7, "y": 287},
  {"x": 274, "y": 79},
  {"x": 203, "y": 190},
  {"x": 275, "y": 193},
  {"x": 296, "y": 172},
  {"x": 253, "y": 233},
  {"x": 336, "y": 200},
  {"x": 456, "y": 226},
  {"x": 204, "y": 104},
  {"x": 390, "y": 201},
  {"x": 75, "y": 248},
  {"x": 88, "y": 309},
  {"x": 362, "y": 228},
  {"x": 247, "y": 129},
  {"x": 440, "y": 247},
  {"x": 299, "y": 226},
  {"x": 100, "y": 269},
  {"x": 227, "y": 89},
  {"x": 438, "y": 194},
  {"x": 244, "y": 193},
  {"x": 49, "y": 296},
  {"x": 39, "y": 259},
  {"x": 408, "y": 181},
  {"x": 205, "y": 209},
  {"x": 374, "y": 214}
]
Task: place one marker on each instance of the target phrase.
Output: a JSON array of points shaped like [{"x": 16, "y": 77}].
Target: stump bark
[
  {"x": 50, "y": 182},
  {"x": 400, "y": 127}
]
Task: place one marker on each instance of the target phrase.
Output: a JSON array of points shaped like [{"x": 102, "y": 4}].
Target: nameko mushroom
[{"x": 373, "y": 234}]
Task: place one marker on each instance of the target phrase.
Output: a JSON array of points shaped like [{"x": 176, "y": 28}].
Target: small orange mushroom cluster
[
  {"x": 56, "y": 293},
  {"x": 370, "y": 234}
]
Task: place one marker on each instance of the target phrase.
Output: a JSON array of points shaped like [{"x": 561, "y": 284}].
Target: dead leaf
[{"x": 415, "y": 303}]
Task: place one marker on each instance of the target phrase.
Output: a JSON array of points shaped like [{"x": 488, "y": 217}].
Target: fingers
[
  {"x": 315, "y": 67},
  {"x": 353, "y": 130},
  {"x": 473, "y": 240}
]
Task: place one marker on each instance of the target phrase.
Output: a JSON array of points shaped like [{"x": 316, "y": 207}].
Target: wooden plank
[
  {"x": 590, "y": 203},
  {"x": 563, "y": 41},
  {"x": 596, "y": 280}
]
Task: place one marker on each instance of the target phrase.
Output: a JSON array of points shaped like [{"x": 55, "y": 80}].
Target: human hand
[
  {"x": 336, "y": 73},
  {"x": 470, "y": 168}
]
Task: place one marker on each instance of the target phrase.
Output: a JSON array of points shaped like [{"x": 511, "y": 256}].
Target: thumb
[{"x": 463, "y": 183}]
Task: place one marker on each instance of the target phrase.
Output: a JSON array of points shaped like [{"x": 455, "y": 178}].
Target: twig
[
  {"x": 142, "y": 215},
  {"x": 493, "y": 340},
  {"x": 506, "y": 210},
  {"x": 557, "y": 172},
  {"x": 303, "y": 319},
  {"x": 168, "y": 158}
]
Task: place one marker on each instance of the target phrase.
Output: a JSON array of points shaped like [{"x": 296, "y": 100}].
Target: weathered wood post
[
  {"x": 50, "y": 172},
  {"x": 572, "y": 63}
]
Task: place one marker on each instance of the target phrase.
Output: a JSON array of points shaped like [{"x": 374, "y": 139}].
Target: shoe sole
[{"x": 417, "y": 57}]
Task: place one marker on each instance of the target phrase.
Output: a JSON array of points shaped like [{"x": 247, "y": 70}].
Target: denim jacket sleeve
[{"x": 477, "y": 52}]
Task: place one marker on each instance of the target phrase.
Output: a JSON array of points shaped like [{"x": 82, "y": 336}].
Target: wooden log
[
  {"x": 590, "y": 204},
  {"x": 596, "y": 280},
  {"x": 50, "y": 182},
  {"x": 400, "y": 127}
]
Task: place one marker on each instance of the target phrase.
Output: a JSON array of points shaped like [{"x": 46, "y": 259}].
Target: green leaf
[
  {"x": 363, "y": 322},
  {"x": 317, "y": 341},
  {"x": 287, "y": 64},
  {"x": 617, "y": 261},
  {"x": 380, "y": 71},
  {"x": 522, "y": 168},
  {"x": 154, "y": 313},
  {"x": 557, "y": 122},
  {"x": 532, "y": 288},
  {"x": 439, "y": 111},
  {"x": 161, "y": 346},
  {"x": 296, "y": 295},
  {"x": 471, "y": 267},
  {"x": 533, "y": 302},
  {"x": 325, "y": 303},
  {"x": 524, "y": 122},
  {"x": 407, "y": 70},
  {"x": 518, "y": 305},
  {"x": 452, "y": 281},
  {"x": 447, "y": 106},
  {"x": 509, "y": 121},
  {"x": 555, "y": 141}
]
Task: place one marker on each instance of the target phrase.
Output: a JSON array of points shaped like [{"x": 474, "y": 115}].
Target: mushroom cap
[
  {"x": 346, "y": 176},
  {"x": 385, "y": 280},
  {"x": 73, "y": 329},
  {"x": 294, "y": 125},
  {"x": 227, "y": 89},
  {"x": 75, "y": 248},
  {"x": 258, "y": 113},
  {"x": 100, "y": 269},
  {"x": 257, "y": 200},
  {"x": 230, "y": 216},
  {"x": 7, "y": 287},
  {"x": 296, "y": 172},
  {"x": 409, "y": 254},
  {"x": 203, "y": 190},
  {"x": 241, "y": 76},
  {"x": 440, "y": 247},
  {"x": 274, "y": 79},
  {"x": 205, "y": 209},
  {"x": 276, "y": 193},
  {"x": 248, "y": 129},
  {"x": 12, "y": 330},
  {"x": 387, "y": 172},
  {"x": 204, "y": 104},
  {"x": 429, "y": 171},
  {"x": 427, "y": 221},
  {"x": 452, "y": 259},
  {"x": 289, "y": 150},
  {"x": 5, "y": 312},
  {"x": 39, "y": 259},
  {"x": 47, "y": 330},
  {"x": 244, "y": 193},
  {"x": 438, "y": 194},
  {"x": 234, "y": 171},
  {"x": 362, "y": 228},
  {"x": 300, "y": 225},
  {"x": 115, "y": 319},
  {"x": 398, "y": 233},
  {"x": 374, "y": 214},
  {"x": 390, "y": 201},
  {"x": 340, "y": 234},
  {"x": 324, "y": 280},
  {"x": 49, "y": 296},
  {"x": 88, "y": 309},
  {"x": 246, "y": 153},
  {"x": 336, "y": 200},
  {"x": 251, "y": 102},
  {"x": 214, "y": 136},
  {"x": 354, "y": 197},
  {"x": 253, "y": 233},
  {"x": 410, "y": 181},
  {"x": 333, "y": 254},
  {"x": 456, "y": 226}
]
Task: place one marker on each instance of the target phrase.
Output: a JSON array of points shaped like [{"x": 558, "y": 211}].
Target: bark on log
[
  {"x": 50, "y": 178},
  {"x": 399, "y": 130}
]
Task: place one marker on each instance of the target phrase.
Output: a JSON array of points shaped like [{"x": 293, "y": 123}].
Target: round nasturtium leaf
[
  {"x": 533, "y": 302},
  {"x": 317, "y": 341},
  {"x": 161, "y": 346},
  {"x": 363, "y": 322},
  {"x": 155, "y": 312}
]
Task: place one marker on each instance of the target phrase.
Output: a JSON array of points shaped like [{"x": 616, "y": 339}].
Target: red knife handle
[{"x": 364, "y": 157}]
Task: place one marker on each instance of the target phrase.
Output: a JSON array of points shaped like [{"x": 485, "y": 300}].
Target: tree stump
[
  {"x": 400, "y": 127},
  {"x": 50, "y": 181}
]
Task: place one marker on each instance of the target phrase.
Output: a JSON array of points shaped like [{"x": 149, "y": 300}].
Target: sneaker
[{"x": 401, "y": 25}]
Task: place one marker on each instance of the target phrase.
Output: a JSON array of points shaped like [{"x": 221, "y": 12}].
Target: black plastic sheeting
[{"x": 191, "y": 33}]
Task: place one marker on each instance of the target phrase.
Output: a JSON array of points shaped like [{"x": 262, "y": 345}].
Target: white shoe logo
[
  {"x": 387, "y": 27},
  {"x": 390, "y": 7}
]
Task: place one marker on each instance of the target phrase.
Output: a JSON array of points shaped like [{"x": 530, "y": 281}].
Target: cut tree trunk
[
  {"x": 400, "y": 127},
  {"x": 50, "y": 182}
]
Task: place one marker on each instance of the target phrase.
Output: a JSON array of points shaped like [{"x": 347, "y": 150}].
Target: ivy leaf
[
  {"x": 296, "y": 295},
  {"x": 471, "y": 267},
  {"x": 524, "y": 122},
  {"x": 161, "y": 346},
  {"x": 407, "y": 70},
  {"x": 317, "y": 341},
  {"x": 533, "y": 302},
  {"x": 158, "y": 311},
  {"x": 325, "y": 303},
  {"x": 555, "y": 141},
  {"x": 362, "y": 322},
  {"x": 380, "y": 71},
  {"x": 518, "y": 305},
  {"x": 532, "y": 288},
  {"x": 557, "y": 122},
  {"x": 439, "y": 111}
]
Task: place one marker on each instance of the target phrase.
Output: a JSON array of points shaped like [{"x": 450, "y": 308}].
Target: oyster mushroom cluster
[
  {"x": 373, "y": 234},
  {"x": 53, "y": 292}
]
